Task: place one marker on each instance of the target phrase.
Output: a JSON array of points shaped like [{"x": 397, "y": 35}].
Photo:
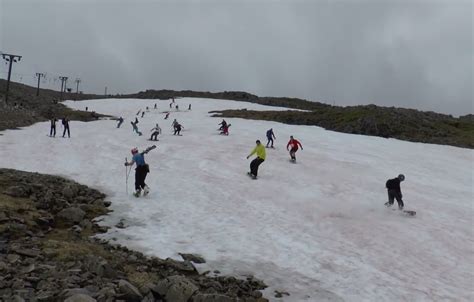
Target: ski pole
[{"x": 126, "y": 177}]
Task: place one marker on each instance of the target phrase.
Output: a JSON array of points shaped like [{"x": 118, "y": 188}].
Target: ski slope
[{"x": 316, "y": 229}]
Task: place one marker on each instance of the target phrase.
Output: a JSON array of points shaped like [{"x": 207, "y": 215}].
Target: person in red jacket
[{"x": 293, "y": 144}]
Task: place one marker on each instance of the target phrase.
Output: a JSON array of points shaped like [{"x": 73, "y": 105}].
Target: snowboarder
[
  {"x": 120, "y": 121},
  {"x": 156, "y": 130},
  {"x": 270, "y": 137},
  {"x": 293, "y": 143},
  {"x": 177, "y": 129},
  {"x": 141, "y": 171},
  {"x": 52, "y": 131},
  {"x": 223, "y": 124},
  {"x": 225, "y": 130},
  {"x": 260, "y": 150},
  {"x": 65, "y": 123},
  {"x": 167, "y": 115},
  {"x": 135, "y": 127},
  {"x": 189, "y": 107},
  {"x": 394, "y": 191}
]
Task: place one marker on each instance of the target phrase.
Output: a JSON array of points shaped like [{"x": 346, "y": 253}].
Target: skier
[
  {"x": 225, "y": 130},
  {"x": 293, "y": 143},
  {"x": 260, "y": 150},
  {"x": 141, "y": 171},
  {"x": 147, "y": 109},
  {"x": 135, "y": 127},
  {"x": 175, "y": 122},
  {"x": 65, "y": 123},
  {"x": 177, "y": 108},
  {"x": 177, "y": 129},
  {"x": 52, "y": 131},
  {"x": 120, "y": 121},
  {"x": 189, "y": 107},
  {"x": 223, "y": 124},
  {"x": 155, "y": 106},
  {"x": 394, "y": 191},
  {"x": 143, "y": 113},
  {"x": 171, "y": 105},
  {"x": 270, "y": 137},
  {"x": 156, "y": 131},
  {"x": 167, "y": 115}
]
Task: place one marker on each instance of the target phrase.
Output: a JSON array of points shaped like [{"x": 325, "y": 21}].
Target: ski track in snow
[{"x": 317, "y": 229}]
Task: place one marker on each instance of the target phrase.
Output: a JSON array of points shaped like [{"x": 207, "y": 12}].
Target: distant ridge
[{"x": 389, "y": 122}]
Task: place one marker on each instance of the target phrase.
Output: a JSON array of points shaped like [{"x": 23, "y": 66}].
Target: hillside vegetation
[{"x": 25, "y": 108}]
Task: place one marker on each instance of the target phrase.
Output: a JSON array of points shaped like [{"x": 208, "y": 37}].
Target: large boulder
[
  {"x": 71, "y": 215},
  {"x": 130, "y": 292},
  {"x": 175, "y": 288},
  {"x": 80, "y": 298}
]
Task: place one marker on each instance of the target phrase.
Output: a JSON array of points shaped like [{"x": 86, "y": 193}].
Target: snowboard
[
  {"x": 251, "y": 176},
  {"x": 405, "y": 212}
]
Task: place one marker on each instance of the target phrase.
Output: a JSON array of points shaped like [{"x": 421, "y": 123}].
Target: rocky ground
[
  {"x": 25, "y": 108},
  {"x": 47, "y": 252}
]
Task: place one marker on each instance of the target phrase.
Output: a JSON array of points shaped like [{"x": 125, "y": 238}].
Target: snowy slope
[{"x": 317, "y": 229}]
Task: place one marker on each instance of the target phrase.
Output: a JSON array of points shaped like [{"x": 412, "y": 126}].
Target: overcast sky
[{"x": 415, "y": 54}]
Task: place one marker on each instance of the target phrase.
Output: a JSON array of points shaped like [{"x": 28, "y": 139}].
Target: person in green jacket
[{"x": 260, "y": 150}]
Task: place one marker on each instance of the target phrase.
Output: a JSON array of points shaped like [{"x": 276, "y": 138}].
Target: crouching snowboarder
[
  {"x": 141, "y": 170},
  {"x": 156, "y": 131},
  {"x": 225, "y": 130},
  {"x": 394, "y": 191}
]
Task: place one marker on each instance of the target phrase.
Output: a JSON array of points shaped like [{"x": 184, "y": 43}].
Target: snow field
[{"x": 317, "y": 229}]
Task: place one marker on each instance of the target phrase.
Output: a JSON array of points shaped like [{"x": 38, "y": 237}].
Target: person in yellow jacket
[{"x": 260, "y": 150}]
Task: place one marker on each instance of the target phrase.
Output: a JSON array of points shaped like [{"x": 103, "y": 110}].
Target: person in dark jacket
[
  {"x": 65, "y": 123},
  {"x": 177, "y": 129},
  {"x": 394, "y": 191},
  {"x": 52, "y": 131},
  {"x": 270, "y": 137},
  {"x": 223, "y": 124},
  {"x": 120, "y": 121}
]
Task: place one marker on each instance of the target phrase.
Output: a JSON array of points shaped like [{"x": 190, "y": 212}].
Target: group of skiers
[
  {"x": 65, "y": 122},
  {"x": 259, "y": 149},
  {"x": 293, "y": 145}
]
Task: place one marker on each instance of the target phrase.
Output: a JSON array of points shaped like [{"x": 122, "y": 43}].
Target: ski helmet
[
  {"x": 401, "y": 177},
  {"x": 134, "y": 150}
]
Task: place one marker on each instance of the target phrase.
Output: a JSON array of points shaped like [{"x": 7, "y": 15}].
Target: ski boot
[
  {"x": 388, "y": 204},
  {"x": 400, "y": 208},
  {"x": 137, "y": 193},
  {"x": 146, "y": 190}
]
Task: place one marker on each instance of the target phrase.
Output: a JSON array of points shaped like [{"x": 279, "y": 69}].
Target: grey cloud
[{"x": 395, "y": 53}]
